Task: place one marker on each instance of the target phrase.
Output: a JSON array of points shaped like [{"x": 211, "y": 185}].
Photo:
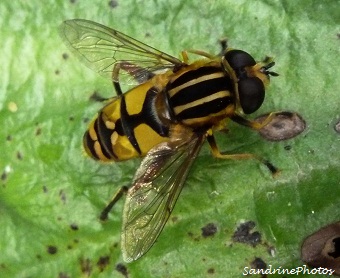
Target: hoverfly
[{"x": 165, "y": 119}]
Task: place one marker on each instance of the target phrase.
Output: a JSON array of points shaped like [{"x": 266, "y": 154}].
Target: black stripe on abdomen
[
  {"x": 129, "y": 122},
  {"x": 89, "y": 145},
  {"x": 104, "y": 136},
  {"x": 148, "y": 115}
]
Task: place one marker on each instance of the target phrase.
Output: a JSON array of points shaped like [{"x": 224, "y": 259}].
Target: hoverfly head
[{"x": 250, "y": 78}]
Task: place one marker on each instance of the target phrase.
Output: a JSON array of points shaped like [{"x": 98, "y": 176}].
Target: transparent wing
[
  {"x": 102, "y": 48},
  {"x": 152, "y": 197}
]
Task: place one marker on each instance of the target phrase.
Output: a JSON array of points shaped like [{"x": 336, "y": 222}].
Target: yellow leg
[
  {"x": 253, "y": 124},
  {"x": 185, "y": 57},
  {"x": 224, "y": 46},
  {"x": 202, "y": 53},
  {"x": 115, "y": 198},
  {"x": 215, "y": 151}
]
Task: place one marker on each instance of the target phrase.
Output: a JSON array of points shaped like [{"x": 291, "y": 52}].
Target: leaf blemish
[
  {"x": 74, "y": 227},
  {"x": 209, "y": 230},
  {"x": 51, "y": 249},
  {"x": 337, "y": 127},
  {"x": 122, "y": 269},
  {"x": 243, "y": 234},
  {"x": 103, "y": 262},
  {"x": 284, "y": 125}
]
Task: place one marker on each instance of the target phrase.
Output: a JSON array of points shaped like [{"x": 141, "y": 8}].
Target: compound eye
[
  {"x": 239, "y": 59},
  {"x": 251, "y": 94}
]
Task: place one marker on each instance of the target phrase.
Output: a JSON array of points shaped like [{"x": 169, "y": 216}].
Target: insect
[{"x": 166, "y": 118}]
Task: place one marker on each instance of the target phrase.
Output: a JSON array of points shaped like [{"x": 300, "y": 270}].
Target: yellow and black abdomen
[
  {"x": 127, "y": 127},
  {"x": 200, "y": 97}
]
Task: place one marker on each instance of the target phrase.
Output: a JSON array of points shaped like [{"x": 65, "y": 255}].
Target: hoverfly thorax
[
  {"x": 250, "y": 78},
  {"x": 199, "y": 94}
]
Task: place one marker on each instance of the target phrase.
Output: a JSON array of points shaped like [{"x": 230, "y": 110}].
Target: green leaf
[{"x": 51, "y": 194}]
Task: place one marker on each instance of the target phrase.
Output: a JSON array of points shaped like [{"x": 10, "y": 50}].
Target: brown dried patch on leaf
[
  {"x": 322, "y": 248},
  {"x": 284, "y": 125}
]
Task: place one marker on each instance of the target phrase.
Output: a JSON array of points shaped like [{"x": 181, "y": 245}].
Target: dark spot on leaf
[
  {"x": 38, "y": 131},
  {"x": 85, "y": 266},
  {"x": 243, "y": 234},
  {"x": 62, "y": 196},
  {"x": 258, "y": 263},
  {"x": 211, "y": 270},
  {"x": 57, "y": 72},
  {"x": 338, "y": 35},
  {"x": 71, "y": 118},
  {"x": 63, "y": 275},
  {"x": 209, "y": 230},
  {"x": 260, "y": 266},
  {"x": 38, "y": 257},
  {"x": 86, "y": 120},
  {"x": 51, "y": 249},
  {"x": 69, "y": 247},
  {"x": 76, "y": 240},
  {"x": 103, "y": 262},
  {"x": 9, "y": 138},
  {"x": 4, "y": 176},
  {"x": 45, "y": 190},
  {"x": 59, "y": 218},
  {"x": 283, "y": 126},
  {"x": 19, "y": 155},
  {"x": 65, "y": 56},
  {"x": 147, "y": 35},
  {"x": 288, "y": 147},
  {"x": 337, "y": 127},
  {"x": 191, "y": 235},
  {"x": 174, "y": 219},
  {"x": 2, "y": 266},
  {"x": 122, "y": 269},
  {"x": 74, "y": 227},
  {"x": 322, "y": 248},
  {"x": 97, "y": 97},
  {"x": 113, "y": 4}
]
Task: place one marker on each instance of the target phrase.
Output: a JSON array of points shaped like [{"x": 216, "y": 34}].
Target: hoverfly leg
[
  {"x": 185, "y": 57},
  {"x": 115, "y": 79},
  {"x": 201, "y": 53},
  {"x": 115, "y": 198},
  {"x": 139, "y": 74},
  {"x": 253, "y": 124},
  {"x": 216, "y": 152},
  {"x": 224, "y": 45},
  {"x": 98, "y": 98},
  {"x": 117, "y": 87}
]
